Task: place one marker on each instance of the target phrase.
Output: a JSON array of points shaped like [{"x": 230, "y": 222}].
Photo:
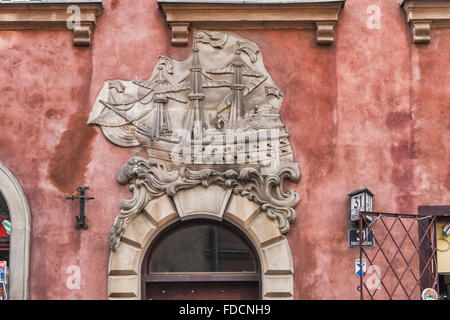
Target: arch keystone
[{"x": 201, "y": 202}]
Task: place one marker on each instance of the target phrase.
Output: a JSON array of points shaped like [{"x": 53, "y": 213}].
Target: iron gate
[{"x": 403, "y": 260}]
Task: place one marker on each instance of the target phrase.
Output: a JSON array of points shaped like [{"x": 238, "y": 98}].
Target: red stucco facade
[{"x": 372, "y": 110}]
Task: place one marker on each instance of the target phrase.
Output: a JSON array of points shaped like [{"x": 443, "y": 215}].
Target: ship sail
[
  {"x": 196, "y": 81},
  {"x": 239, "y": 69},
  {"x": 162, "y": 126},
  {"x": 157, "y": 90}
]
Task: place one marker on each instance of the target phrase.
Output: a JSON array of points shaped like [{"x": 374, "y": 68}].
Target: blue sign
[{"x": 358, "y": 267}]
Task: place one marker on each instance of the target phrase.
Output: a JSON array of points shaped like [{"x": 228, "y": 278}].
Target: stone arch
[
  {"x": 216, "y": 203},
  {"x": 20, "y": 234}
]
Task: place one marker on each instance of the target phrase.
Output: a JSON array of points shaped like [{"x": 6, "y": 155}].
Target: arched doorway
[
  {"x": 201, "y": 259},
  {"x": 272, "y": 248},
  {"x": 19, "y": 238}
]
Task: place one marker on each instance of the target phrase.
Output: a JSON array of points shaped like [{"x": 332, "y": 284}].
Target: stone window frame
[
  {"x": 274, "y": 253},
  {"x": 20, "y": 235},
  {"x": 319, "y": 15},
  {"x": 51, "y": 14}
]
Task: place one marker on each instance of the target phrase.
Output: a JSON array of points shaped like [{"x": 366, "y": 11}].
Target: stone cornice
[
  {"x": 319, "y": 15},
  {"x": 34, "y": 15},
  {"x": 423, "y": 15}
]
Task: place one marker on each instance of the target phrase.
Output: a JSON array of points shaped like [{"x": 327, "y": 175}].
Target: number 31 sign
[{"x": 360, "y": 200}]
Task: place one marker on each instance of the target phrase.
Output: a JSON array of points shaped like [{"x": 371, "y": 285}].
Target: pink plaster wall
[{"x": 370, "y": 111}]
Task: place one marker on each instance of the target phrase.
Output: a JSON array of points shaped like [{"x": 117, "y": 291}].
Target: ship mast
[
  {"x": 195, "y": 82},
  {"x": 161, "y": 121},
  {"x": 239, "y": 69},
  {"x": 195, "y": 120},
  {"x": 163, "y": 91},
  {"x": 237, "y": 111}
]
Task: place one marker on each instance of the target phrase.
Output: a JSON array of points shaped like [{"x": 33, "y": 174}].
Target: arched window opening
[
  {"x": 201, "y": 260},
  {"x": 14, "y": 235},
  {"x": 5, "y": 233}
]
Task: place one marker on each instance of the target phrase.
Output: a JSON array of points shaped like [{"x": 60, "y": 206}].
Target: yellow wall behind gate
[{"x": 443, "y": 243}]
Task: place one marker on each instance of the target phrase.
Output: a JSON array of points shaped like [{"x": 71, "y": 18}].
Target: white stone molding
[
  {"x": 319, "y": 15},
  {"x": 39, "y": 15},
  {"x": 20, "y": 235}
]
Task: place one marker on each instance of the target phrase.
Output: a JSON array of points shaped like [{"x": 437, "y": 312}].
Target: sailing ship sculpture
[
  {"x": 212, "y": 119},
  {"x": 200, "y": 113}
]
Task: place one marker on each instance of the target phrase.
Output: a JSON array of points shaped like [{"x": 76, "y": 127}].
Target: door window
[{"x": 201, "y": 258}]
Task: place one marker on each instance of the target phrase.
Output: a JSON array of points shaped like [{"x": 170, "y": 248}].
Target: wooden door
[{"x": 202, "y": 291}]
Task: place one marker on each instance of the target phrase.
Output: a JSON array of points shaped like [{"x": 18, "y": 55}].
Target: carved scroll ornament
[{"x": 150, "y": 179}]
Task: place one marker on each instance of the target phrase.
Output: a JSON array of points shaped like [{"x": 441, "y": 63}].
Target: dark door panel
[{"x": 202, "y": 291}]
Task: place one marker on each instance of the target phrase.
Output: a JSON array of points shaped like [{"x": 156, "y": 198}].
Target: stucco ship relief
[{"x": 210, "y": 119}]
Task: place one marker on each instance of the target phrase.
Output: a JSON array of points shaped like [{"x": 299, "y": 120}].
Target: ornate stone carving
[
  {"x": 218, "y": 108},
  {"x": 150, "y": 179},
  {"x": 212, "y": 119}
]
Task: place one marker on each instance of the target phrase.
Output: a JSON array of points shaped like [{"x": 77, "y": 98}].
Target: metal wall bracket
[{"x": 81, "y": 219}]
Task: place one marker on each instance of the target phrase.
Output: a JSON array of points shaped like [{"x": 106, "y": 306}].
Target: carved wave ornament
[
  {"x": 210, "y": 119},
  {"x": 150, "y": 179}
]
